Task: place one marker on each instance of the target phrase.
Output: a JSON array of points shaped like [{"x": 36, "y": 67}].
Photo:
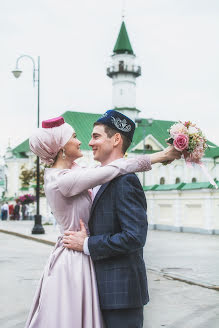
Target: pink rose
[{"x": 181, "y": 142}]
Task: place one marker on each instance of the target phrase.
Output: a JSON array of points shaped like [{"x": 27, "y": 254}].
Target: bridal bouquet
[{"x": 188, "y": 138}]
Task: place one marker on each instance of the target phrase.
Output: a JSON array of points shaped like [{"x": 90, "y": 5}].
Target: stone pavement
[
  {"x": 173, "y": 304},
  {"x": 186, "y": 257},
  {"x": 24, "y": 228}
]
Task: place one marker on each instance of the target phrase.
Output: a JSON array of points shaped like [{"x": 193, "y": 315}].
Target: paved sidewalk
[
  {"x": 186, "y": 257},
  {"x": 189, "y": 257},
  {"x": 173, "y": 304},
  {"x": 24, "y": 228}
]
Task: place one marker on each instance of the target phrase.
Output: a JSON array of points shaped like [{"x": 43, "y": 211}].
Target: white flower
[
  {"x": 178, "y": 128},
  {"x": 192, "y": 130}
]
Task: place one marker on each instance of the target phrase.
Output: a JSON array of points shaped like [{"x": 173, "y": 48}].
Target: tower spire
[
  {"x": 123, "y": 71},
  {"x": 123, "y": 44}
]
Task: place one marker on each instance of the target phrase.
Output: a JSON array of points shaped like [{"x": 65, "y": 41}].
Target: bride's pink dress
[{"x": 67, "y": 296}]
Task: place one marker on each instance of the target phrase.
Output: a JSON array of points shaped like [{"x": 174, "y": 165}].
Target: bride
[{"x": 67, "y": 295}]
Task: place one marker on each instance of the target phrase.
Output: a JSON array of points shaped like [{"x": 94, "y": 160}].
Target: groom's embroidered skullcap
[
  {"x": 47, "y": 141},
  {"x": 119, "y": 122}
]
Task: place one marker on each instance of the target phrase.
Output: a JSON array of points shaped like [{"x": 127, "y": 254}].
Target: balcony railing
[{"x": 122, "y": 68}]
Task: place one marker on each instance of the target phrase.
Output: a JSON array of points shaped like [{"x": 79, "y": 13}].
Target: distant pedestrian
[
  {"x": 17, "y": 211},
  {"x": 31, "y": 210},
  {"x": 24, "y": 211},
  {"x": 4, "y": 210},
  {"x": 27, "y": 212},
  {"x": 11, "y": 211},
  {"x": 1, "y": 211}
]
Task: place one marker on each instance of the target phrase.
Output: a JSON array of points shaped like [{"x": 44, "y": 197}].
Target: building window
[
  {"x": 121, "y": 66},
  {"x": 162, "y": 181},
  {"x": 148, "y": 147},
  {"x": 194, "y": 180},
  {"x": 177, "y": 180}
]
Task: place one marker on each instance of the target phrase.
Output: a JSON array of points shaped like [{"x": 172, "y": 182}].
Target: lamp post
[
  {"x": 38, "y": 228},
  {"x": 140, "y": 123}
]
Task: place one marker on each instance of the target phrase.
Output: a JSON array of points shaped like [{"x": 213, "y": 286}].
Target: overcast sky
[{"x": 176, "y": 43}]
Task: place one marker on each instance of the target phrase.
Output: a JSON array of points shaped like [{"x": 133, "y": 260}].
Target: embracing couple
[{"x": 95, "y": 276}]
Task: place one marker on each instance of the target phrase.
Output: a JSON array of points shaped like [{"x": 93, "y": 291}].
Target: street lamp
[
  {"x": 38, "y": 228},
  {"x": 140, "y": 123}
]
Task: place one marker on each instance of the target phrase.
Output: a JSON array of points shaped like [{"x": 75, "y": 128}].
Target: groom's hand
[{"x": 75, "y": 239}]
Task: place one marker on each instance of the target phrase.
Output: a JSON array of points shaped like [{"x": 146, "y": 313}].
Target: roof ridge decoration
[{"x": 123, "y": 44}]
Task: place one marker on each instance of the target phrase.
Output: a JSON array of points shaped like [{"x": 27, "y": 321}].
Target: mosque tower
[{"x": 124, "y": 71}]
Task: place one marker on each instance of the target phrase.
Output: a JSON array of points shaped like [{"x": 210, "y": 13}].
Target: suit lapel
[{"x": 99, "y": 193}]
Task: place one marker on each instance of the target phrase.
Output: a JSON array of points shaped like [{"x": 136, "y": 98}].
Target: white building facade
[{"x": 191, "y": 206}]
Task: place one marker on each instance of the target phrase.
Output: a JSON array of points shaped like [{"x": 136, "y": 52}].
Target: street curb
[
  {"x": 39, "y": 240},
  {"x": 165, "y": 275},
  {"x": 185, "y": 280}
]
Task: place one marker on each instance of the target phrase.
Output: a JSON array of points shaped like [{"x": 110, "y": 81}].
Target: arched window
[
  {"x": 162, "y": 180},
  {"x": 194, "y": 180},
  {"x": 148, "y": 147},
  {"x": 121, "y": 66},
  {"x": 177, "y": 180}
]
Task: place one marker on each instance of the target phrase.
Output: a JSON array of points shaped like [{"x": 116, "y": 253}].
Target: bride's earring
[{"x": 63, "y": 154}]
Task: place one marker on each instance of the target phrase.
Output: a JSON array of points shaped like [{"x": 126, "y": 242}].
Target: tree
[
  {"x": 34, "y": 179},
  {"x": 28, "y": 177}
]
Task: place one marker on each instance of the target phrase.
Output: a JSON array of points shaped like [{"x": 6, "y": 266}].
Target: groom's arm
[{"x": 131, "y": 214}]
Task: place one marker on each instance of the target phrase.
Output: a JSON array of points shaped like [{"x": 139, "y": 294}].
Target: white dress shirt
[
  {"x": 5, "y": 207},
  {"x": 85, "y": 246}
]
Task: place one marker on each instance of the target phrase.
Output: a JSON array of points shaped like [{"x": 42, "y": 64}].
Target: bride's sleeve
[{"x": 73, "y": 182}]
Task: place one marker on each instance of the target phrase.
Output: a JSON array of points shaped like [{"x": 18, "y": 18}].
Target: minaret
[
  {"x": 124, "y": 72},
  {"x": 9, "y": 151}
]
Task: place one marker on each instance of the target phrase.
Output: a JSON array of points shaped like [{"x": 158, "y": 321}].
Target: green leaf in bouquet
[{"x": 169, "y": 141}]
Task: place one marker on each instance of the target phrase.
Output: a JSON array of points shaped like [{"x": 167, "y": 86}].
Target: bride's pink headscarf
[{"x": 47, "y": 141}]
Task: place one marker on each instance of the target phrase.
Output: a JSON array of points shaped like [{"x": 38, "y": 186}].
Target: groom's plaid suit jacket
[{"x": 118, "y": 229}]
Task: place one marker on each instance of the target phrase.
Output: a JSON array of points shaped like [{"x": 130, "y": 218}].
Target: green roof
[
  {"x": 123, "y": 44},
  {"x": 24, "y": 188},
  {"x": 158, "y": 129},
  {"x": 83, "y": 125},
  {"x": 21, "y": 149},
  {"x": 181, "y": 186},
  {"x": 175, "y": 186},
  {"x": 34, "y": 186},
  {"x": 213, "y": 151},
  {"x": 198, "y": 185},
  {"x": 153, "y": 187}
]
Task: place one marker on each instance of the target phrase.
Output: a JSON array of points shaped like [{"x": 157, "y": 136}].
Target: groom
[{"x": 118, "y": 229}]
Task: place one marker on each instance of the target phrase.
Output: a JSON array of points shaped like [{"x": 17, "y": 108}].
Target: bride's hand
[
  {"x": 171, "y": 154},
  {"x": 165, "y": 156}
]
